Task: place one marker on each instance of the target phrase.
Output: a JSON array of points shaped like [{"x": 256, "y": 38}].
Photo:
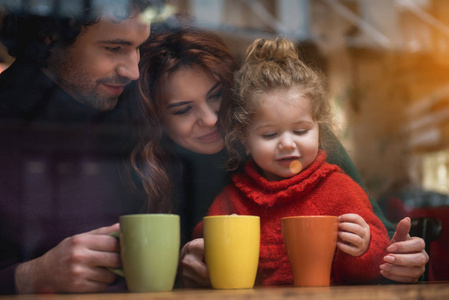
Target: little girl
[{"x": 280, "y": 116}]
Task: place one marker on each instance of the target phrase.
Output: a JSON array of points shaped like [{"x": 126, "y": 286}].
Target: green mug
[{"x": 149, "y": 249}]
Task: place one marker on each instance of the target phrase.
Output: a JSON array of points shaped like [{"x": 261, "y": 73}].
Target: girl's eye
[
  {"x": 268, "y": 135},
  {"x": 299, "y": 132},
  {"x": 182, "y": 111}
]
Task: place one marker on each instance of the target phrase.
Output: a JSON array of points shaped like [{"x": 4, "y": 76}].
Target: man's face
[{"x": 104, "y": 58}]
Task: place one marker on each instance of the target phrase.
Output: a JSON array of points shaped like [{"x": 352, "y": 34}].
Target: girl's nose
[{"x": 286, "y": 142}]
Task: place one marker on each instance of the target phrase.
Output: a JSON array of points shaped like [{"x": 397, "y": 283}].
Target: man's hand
[{"x": 76, "y": 265}]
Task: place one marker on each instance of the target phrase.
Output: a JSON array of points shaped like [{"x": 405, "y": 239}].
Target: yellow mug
[{"x": 231, "y": 245}]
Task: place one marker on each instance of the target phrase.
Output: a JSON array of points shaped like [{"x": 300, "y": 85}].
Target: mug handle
[{"x": 118, "y": 271}]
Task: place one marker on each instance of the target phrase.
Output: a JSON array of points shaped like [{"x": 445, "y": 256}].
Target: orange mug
[{"x": 310, "y": 242}]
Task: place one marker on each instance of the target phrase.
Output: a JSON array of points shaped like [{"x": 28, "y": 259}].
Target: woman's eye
[
  {"x": 216, "y": 96},
  {"x": 182, "y": 111}
]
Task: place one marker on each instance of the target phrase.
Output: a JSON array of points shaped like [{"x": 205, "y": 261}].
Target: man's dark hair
[{"x": 30, "y": 34}]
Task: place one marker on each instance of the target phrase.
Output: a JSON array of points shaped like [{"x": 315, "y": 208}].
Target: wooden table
[{"x": 419, "y": 291}]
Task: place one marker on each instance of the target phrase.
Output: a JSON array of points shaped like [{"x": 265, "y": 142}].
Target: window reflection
[
  {"x": 435, "y": 171},
  {"x": 387, "y": 64}
]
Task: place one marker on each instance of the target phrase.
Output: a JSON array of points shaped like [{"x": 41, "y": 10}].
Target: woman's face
[{"x": 191, "y": 112}]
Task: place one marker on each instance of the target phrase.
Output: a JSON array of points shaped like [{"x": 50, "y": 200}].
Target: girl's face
[
  {"x": 190, "y": 115},
  {"x": 282, "y": 134}
]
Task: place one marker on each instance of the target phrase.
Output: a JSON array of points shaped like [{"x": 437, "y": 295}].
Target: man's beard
[{"x": 82, "y": 86}]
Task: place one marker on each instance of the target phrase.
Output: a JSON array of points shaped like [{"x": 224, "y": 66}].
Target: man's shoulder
[
  {"x": 20, "y": 73},
  {"x": 26, "y": 92},
  {"x": 21, "y": 86}
]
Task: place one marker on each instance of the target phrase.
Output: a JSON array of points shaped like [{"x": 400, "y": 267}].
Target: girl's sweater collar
[{"x": 270, "y": 193}]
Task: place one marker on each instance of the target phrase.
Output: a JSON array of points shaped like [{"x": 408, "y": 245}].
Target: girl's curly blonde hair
[{"x": 268, "y": 65}]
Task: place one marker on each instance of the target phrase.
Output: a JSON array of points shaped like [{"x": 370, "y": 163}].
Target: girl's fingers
[
  {"x": 350, "y": 238},
  {"x": 348, "y": 248},
  {"x": 351, "y": 218},
  {"x": 352, "y": 228}
]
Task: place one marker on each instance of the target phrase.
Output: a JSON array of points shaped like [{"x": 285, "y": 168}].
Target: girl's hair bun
[{"x": 278, "y": 50}]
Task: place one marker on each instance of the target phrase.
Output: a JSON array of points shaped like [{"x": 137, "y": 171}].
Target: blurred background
[{"x": 387, "y": 66}]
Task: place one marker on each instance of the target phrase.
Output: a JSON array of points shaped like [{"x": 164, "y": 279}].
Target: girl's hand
[
  {"x": 192, "y": 268},
  {"x": 353, "y": 234},
  {"x": 407, "y": 259}
]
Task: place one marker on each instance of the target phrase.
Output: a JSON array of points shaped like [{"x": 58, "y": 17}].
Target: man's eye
[{"x": 113, "y": 49}]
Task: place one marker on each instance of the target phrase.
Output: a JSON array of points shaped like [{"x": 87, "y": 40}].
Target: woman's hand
[
  {"x": 407, "y": 259},
  {"x": 353, "y": 234},
  {"x": 193, "y": 269}
]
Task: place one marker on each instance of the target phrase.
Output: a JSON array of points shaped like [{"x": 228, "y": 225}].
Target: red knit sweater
[{"x": 321, "y": 189}]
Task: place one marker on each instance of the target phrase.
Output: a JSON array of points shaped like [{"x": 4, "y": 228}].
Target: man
[{"x": 63, "y": 141}]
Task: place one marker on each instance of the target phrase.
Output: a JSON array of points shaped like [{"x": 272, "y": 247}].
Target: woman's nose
[{"x": 208, "y": 116}]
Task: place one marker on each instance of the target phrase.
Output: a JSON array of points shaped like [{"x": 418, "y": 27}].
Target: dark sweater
[{"x": 61, "y": 168}]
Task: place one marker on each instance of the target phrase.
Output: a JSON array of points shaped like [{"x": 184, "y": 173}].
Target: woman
[
  {"x": 185, "y": 85},
  {"x": 184, "y": 77}
]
